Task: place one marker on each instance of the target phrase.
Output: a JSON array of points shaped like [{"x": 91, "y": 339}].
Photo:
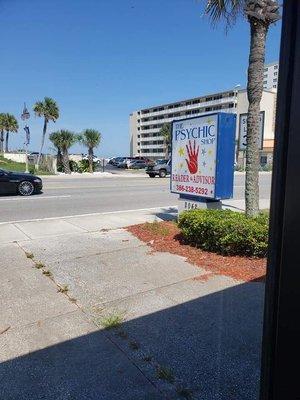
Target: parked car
[
  {"x": 162, "y": 168},
  {"x": 19, "y": 183},
  {"x": 123, "y": 163},
  {"x": 117, "y": 161},
  {"x": 139, "y": 161},
  {"x": 137, "y": 164}
]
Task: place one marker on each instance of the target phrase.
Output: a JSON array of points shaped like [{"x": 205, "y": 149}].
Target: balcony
[
  {"x": 164, "y": 121},
  {"x": 210, "y": 103}
]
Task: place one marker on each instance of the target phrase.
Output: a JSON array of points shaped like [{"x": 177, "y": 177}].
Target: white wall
[
  {"x": 17, "y": 157},
  {"x": 268, "y": 105},
  {"x": 133, "y": 132}
]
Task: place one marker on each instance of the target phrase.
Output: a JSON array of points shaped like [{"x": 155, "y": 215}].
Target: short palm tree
[
  {"x": 261, "y": 14},
  {"x": 63, "y": 140},
  {"x": 10, "y": 125},
  {"x": 90, "y": 138},
  {"x": 48, "y": 109},
  {"x": 165, "y": 131},
  {"x": 2, "y": 128}
]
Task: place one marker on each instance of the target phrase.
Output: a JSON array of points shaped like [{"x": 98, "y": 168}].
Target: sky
[{"x": 102, "y": 59}]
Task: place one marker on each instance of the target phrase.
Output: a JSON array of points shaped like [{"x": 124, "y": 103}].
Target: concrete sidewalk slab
[
  {"x": 52, "y": 348},
  {"x": 206, "y": 330},
  {"x": 38, "y": 229},
  {"x": 10, "y": 233}
]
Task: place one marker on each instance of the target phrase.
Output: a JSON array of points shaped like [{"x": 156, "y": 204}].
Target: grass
[
  {"x": 165, "y": 374},
  {"x": 14, "y": 166},
  {"x": 112, "y": 321},
  {"x": 157, "y": 228}
]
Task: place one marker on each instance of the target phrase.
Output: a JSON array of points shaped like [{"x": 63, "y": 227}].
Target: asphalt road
[{"x": 85, "y": 195}]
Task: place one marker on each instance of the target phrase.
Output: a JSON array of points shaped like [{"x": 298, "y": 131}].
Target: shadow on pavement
[{"x": 212, "y": 345}]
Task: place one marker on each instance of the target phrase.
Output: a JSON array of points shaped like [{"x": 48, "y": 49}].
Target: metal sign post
[{"x": 24, "y": 116}]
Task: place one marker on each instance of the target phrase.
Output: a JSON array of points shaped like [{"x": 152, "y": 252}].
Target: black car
[{"x": 19, "y": 183}]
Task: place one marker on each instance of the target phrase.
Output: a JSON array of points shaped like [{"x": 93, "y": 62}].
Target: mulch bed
[{"x": 166, "y": 237}]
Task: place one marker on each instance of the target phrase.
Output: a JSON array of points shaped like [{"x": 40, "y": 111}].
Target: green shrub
[
  {"x": 83, "y": 166},
  {"x": 226, "y": 232}
]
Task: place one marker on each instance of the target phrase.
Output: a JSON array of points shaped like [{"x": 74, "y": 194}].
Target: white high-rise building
[
  {"x": 145, "y": 124},
  {"x": 271, "y": 72}
]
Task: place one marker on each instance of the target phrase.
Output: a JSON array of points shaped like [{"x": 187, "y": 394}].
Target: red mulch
[{"x": 170, "y": 240}]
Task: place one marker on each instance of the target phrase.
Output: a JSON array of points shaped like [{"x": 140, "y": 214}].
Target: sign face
[
  {"x": 243, "y": 130},
  {"x": 194, "y": 149},
  {"x": 203, "y": 156}
]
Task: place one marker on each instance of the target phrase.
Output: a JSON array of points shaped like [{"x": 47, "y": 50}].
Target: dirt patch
[{"x": 166, "y": 237}]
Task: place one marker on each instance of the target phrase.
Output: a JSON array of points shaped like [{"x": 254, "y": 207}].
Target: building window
[
  {"x": 139, "y": 136},
  {"x": 196, "y": 101},
  {"x": 275, "y": 66},
  {"x": 275, "y": 80},
  {"x": 275, "y": 73},
  {"x": 188, "y": 103},
  {"x": 274, "y": 86},
  {"x": 265, "y": 82},
  {"x": 208, "y": 109},
  {"x": 208, "y": 99}
]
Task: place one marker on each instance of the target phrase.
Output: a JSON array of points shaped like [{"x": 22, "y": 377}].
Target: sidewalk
[{"x": 181, "y": 333}]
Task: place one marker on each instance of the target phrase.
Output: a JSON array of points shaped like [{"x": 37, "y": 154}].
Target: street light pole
[{"x": 24, "y": 116}]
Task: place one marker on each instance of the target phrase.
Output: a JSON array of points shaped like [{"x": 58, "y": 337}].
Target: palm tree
[
  {"x": 55, "y": 138},
  {"x": 64, "y": 139},
  {"x": 10, "y": 125},
  {"x": 48, "y": 109},
  {"x": 165, "y": 131},
  {"x": 260, "y": 15},
  {"x": 2, "y": 127},
  {"x": 90, "y": 138}
]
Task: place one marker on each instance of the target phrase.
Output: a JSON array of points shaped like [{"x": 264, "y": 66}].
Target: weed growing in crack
[
  {"x": 63, "y": 289},
  {"x": 112, "y": 321},
  {"x": 165, "y": 374},
  {"x": 29, "y": 255},
  {"x": 47, "y": 273},
  {"x": 39, "y": 265},
  {"x": 122, "y": 334},
  {"x": 184, "y": 393},
  {"x": 134, "y": 345}
]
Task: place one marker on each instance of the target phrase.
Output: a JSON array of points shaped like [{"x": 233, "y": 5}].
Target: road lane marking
[
  {"x": 35, "y": 198},
  {"x": 87, "y": 215}
]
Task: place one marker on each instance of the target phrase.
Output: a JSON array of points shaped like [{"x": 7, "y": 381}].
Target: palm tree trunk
[
  {"x": 166, "y": 151},
  {"x": 65, "y": 161},
  {"x": 1, "y": 141},
  {"x": 6, "y": 141},
  {"x": 91, "y": 159},
  {"x": 59, "y": 157},
  {"x": 42, "y": 144},
  {"x": 254, "y": 91}
]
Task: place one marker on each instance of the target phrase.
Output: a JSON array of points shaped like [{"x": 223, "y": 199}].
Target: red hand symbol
[{"x": 192, "y": 162}]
